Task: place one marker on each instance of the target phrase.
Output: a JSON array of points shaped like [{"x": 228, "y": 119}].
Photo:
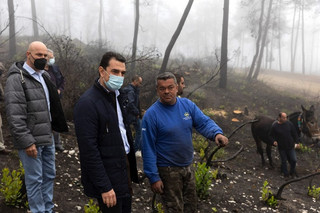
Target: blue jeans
[
  {"x": 39, "y": 176},
  {"x": 290, "y": 156},
  {"x": 138, "y": 137}
]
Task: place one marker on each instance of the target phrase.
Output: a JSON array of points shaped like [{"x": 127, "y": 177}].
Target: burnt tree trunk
[
  {"x": 249, "y": 77},
  {"x": 34, "y": 20},
  {"x": 302, "y": 39},
  {"x": 100, "y": 25},
  {"x": 263, "y": 42},
  {"x": 175, "y": 37},
  {"x": 12, "y": 30},
  {"x": 224, "y": 46},
  {"x": 135, "y": 38}
]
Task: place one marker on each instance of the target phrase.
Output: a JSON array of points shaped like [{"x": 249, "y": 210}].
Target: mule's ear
[
  {"x": 312, "y": 108},
  {"x": 302, "y": 107}
]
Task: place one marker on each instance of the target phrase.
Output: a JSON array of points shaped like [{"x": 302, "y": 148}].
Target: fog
[{"x": 200, "y": 37}]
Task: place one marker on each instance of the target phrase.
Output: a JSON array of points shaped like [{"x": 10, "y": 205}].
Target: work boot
[{"x": 59, "y": 147}]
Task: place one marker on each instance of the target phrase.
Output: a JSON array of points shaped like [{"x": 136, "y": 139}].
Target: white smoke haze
[{"x": 200, "y": 37}]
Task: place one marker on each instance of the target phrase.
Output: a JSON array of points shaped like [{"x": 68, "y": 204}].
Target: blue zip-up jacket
[{"x": 167, "y": 135}]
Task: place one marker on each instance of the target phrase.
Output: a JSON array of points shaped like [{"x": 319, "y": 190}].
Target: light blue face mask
[
  {"x": 51, "y": 61},
  {"x": 114, "y": 83}
]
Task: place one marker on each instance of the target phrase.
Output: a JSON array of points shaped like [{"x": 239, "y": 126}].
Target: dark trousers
[
  {"x": 123, "y": 206},
  {"x": 138, "y": 136},
  {"x": 290, "y": 156}
]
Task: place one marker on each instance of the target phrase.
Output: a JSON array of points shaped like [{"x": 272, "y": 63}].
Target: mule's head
[{"x": 309, "y": 125}]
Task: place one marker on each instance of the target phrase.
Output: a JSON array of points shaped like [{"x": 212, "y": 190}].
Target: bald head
[
  {"x": 37, "y": 55},
  {"x": 36, "y": 45}
]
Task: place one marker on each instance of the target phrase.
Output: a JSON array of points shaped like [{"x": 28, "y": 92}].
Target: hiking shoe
[
  {"x": 59, "y": 147},
  {"x": 294, "y": 175}
]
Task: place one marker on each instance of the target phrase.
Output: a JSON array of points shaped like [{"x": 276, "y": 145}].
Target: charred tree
[
  {"x": 12, "y": 30},
  {"x": 279, "y": 36},
  {"x": 263, "y": 42},
  {"x": 294, "y": 38},
  {"x": 302, "y": 38},
  {"x": 67, "y": 18},
  {"x": 249, "y": 77},
  {"x": 224, "y": 46},
  {"x": 100, "y": 25},
  {"x": 135, "y": 38},
  {"x": 175, "y": 37},
  {"x": 34, "y": 20}
]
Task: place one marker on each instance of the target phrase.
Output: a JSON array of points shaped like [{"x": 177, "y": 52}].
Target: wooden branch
[
  {"x": 232, "y": 157},
  {"x": 278, "y": 196},
  {"x": 232, "y": 133}
]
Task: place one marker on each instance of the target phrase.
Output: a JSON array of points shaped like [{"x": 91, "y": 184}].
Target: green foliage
[
  {"x": 214, "y": 209},
  {"x": 202, "y": 154},
  {"x": 203, "y": 177},
  {"x": 221, "y": 107},
  {"x": 91, "y": 207},
  {"x": 159, "y": 208},
  {"x": 208, "y": 112},
  {"x": 267, "y": 195},
  {"x": 215, "y": 173},
  {"x": 199, "y": 142},
  {"x": 198, "y": 98},
  {"x": 10, "y": 187},
  {"x": 314, "y": 192},
  {"x": 304, "y": 148},
  {"x": 219, "y": 154}
]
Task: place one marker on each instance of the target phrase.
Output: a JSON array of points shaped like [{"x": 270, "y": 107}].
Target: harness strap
[{"x": 300, "y": 121}]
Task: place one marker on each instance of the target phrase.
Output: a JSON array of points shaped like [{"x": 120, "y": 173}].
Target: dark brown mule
[{"x": 305, "y": 122}]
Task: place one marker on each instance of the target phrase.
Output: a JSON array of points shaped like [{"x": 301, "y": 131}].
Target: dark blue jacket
[
  {"x": 56, "y": 77},
  {"x": 102, "y": 154},
  {"x": 131, "y": 103}
]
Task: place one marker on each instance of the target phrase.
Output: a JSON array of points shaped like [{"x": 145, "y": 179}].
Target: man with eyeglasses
[
  {"x": 167, "y": 148},
  {"x": 107, "y": 157}
]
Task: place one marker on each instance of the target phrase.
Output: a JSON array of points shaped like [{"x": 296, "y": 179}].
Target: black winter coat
[
  {"x": 131, "y": 103},
  {"x": 102, "y": 154}
]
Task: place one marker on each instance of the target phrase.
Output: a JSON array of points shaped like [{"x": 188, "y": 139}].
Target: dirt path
[{"x": 307, "y": 86}]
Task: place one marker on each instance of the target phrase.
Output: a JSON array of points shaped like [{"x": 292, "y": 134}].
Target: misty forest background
[{"x": 213, "y": 37}]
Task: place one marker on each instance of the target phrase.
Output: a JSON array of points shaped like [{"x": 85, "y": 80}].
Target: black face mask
[{"x": 39, "y": 63}]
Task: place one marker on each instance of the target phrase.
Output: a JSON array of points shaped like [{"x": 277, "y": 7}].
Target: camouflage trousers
[{"x": 179, "y": 189}]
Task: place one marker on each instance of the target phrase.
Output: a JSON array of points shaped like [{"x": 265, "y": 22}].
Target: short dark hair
[
  {"x": 178, "y": 77},
  {"x": 165, "y": 76},
  {"x": 108, "y": 56},
  {"x": 135, "y": 78}
]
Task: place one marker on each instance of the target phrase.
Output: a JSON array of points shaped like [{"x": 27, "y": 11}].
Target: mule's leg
[
  {"x": 268, "y": 150},
  {"x": 259, "y": 149}
]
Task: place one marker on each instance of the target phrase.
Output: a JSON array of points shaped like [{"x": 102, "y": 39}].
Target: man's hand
[
  {"x": 221, "y": 140},
  {"x": 157, "y": 187},
  {"x": 109, "y": 198},
  {"x": 32, "y": 151}
]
